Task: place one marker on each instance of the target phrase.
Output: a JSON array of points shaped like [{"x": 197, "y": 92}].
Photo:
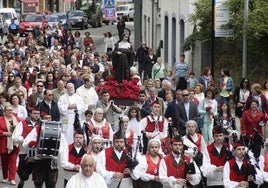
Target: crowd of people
[{"x": 180, "y": 131}]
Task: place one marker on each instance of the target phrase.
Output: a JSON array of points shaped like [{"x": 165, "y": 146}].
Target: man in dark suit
[
  {"x": 145, "y": 106},
  {"x": 48, "y": 106},
  {"x": 185, "y": 110},
  {"x": 153, "y": 97},
  {"x": 171, "y": 108}
]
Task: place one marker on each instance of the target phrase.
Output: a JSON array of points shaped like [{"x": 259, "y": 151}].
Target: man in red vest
[
  {"x": 219, "y": 153},
  {"x": 112, "y": 163},
  {"x": 21, "y": 131},
  {"x": 236, "y": 172},
  {"x": 71, "y": 158},
  {"x": 154, "y": 125},
  {"x": 263, "y": 164},
  {"x": 44, "y": 169},
  {"x": 176, "y": 169}
]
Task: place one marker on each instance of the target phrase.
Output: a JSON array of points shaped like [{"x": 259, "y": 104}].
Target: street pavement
[{"x": 97, "y": 34}]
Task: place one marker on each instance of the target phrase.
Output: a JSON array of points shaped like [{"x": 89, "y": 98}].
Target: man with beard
[
  {"x": 176, "y": 169},
  {"x": 112, "y": 163}
]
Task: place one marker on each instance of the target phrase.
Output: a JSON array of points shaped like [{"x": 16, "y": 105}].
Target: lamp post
[
  {"x": 212, "y": 36},
  {"x": 244, "y": 64}
]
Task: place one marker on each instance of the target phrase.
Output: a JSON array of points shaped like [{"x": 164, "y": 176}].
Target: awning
[{"x": 30, "y": 3}]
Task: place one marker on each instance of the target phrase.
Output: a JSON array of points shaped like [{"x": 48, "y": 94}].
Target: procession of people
[{"x": 179, "y": 132}]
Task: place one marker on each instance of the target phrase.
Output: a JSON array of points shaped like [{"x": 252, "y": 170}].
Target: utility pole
[
  {"x": 244, "y": 65},
  {"x": 137, "y": 23},
  {"x": 212, "y": 35}
]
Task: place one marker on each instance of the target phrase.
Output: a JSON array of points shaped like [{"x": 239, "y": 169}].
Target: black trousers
[
  {"x": 25, "y": 167},
  {"x": 42, "y": 172},
  {"x": 151, "y": 184},
  {"x": 182, "y": 84}
]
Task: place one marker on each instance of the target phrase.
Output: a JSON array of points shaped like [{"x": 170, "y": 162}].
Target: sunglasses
[
  {"x": 185, "y": 95},
  {"x": 40, "y": 86}
]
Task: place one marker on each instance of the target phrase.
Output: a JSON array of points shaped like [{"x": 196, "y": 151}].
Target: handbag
[{"x": 200, "y": 121}]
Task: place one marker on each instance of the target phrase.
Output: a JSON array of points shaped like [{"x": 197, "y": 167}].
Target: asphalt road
[{"x": 97, "y": 34}]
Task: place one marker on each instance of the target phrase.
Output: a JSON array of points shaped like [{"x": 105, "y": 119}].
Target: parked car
[
  {"x": 44, "y": 12},
  {"x": 77, "y": 18},
  {"x": 63, "y": 19},
  {"x": 9, "y": 14},
  {"x": 3, "y": 26},
  {"x": 53, "y": 20},
  {"x": 126, "y": 11},
  {"x": 29, "y": 21}
]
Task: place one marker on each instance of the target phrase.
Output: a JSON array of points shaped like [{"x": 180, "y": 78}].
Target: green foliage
[
  {"x": 202, "y": 19},
  {"x": 230, "y": 53},
  {"x": 257, "y": 27}
]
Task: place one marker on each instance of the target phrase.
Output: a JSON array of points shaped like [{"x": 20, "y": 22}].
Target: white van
[
  {"x": 126, "y": 11},
  {"x": 9, "y": 14}
]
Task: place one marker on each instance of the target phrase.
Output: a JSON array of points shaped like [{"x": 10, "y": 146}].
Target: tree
[{"x": 257, "y": 28}]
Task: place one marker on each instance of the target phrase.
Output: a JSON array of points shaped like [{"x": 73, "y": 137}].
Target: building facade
[
  {"x": 25, "y": 6},
  {"x": 165, "y": 27}
]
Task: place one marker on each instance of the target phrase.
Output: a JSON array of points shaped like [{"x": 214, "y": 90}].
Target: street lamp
[{"x": 244, "y": 64}]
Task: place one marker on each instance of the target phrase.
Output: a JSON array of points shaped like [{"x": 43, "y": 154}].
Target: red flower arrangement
[{"x": 125, "y": 90}]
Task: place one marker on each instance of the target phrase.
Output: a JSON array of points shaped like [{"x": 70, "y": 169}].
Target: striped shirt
[{"x": 181, "y": 69}]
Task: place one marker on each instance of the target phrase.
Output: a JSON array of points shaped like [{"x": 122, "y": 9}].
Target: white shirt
[
  {"x": 190, "y": 151},
  {"x": 108, "y": 175},
  {"x": 156, "y": 133},
  {"x": 262, "y": 165},
  {"x": 233, "y": 184},
  {"x": 22, "y": 112},
  {"x": 134, "y": 125},
  {"x": 81, "y": 181},
  {"x": 187, "y": 106},
  {"x": 17, "y": 135}
]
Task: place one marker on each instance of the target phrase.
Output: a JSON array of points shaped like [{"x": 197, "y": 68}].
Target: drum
[{"x": 49, "y": 139}]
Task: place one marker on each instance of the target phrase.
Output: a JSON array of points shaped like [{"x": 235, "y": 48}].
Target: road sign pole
[{"x": 244, "y": 64}]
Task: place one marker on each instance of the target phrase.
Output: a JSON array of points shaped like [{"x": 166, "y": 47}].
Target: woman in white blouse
[{"x": 18, "y": 109}]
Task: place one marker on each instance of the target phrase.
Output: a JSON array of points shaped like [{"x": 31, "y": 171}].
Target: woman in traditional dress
[{"x": 150, "y": 164}]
